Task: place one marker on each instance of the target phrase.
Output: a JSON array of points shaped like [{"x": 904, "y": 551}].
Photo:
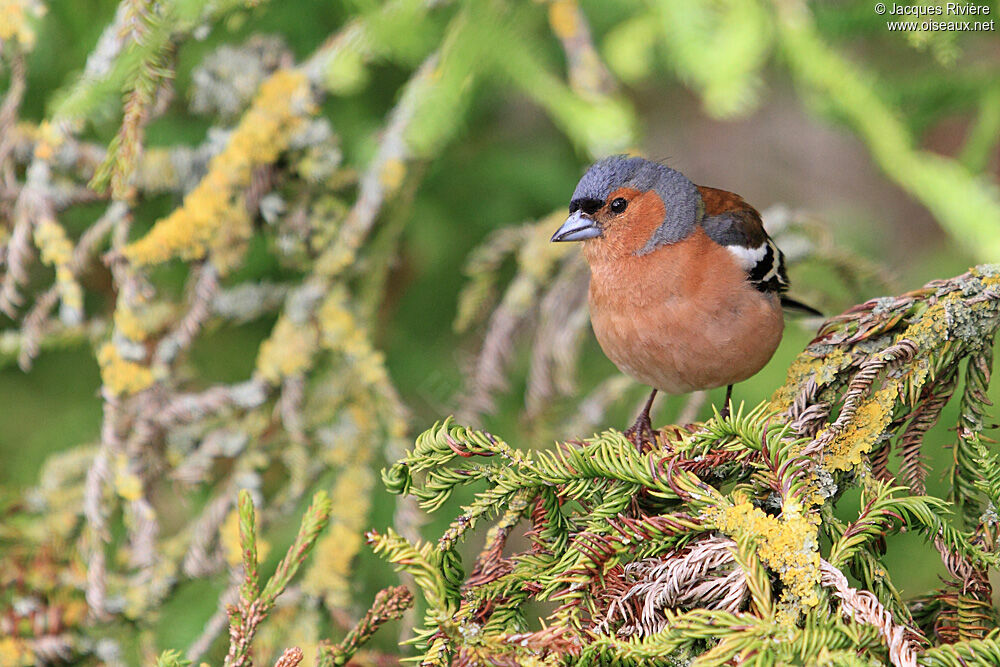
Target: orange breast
[{"x": 682, "y": 317}]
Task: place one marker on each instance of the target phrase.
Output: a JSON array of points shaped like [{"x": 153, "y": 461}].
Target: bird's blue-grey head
[{"x": 681, "y": 199}]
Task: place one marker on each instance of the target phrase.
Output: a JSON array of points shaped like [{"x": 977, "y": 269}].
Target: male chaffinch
[{"x": 686, "y": 287}]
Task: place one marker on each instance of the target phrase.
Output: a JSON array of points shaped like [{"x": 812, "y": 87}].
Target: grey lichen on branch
[{"x": 723, "y": 544}]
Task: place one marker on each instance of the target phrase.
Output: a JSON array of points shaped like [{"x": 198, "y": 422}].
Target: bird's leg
[
  {"x": 724, "y": 412},
  {"x": 642, "y": 430}
]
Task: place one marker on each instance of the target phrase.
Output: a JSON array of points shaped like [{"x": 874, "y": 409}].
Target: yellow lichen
[
  {"x": 15, "y": 652},
  {"x": 337, "y": 323},
  {"x": 392, "y": 174},
  {"x": 931, "y": 331},
  {"x": 230, "y": 242},
  {"x": 340, "y": 447},
  {"x": 57, "y": 251},
  {"x": 48, "y": 138},
  {"x": 329, "y": 574},
  {"x": 341, "y": 332},
  {"x": 120, "y": 376},
  {"x": 788, "y": 544},
  {"x": 213, "y": 216},
  {"x": 813, "y": 491},
  {"x": 16, "y": 21},
  {"x": 335, "y": 259},
  {"x": 127, "y": 483},
  {"x": 140, "y": 320},
  {"x": 290, "y": 625},
  {"x": 156, "y": 170},
  {"x": 44, "y": 150},
  {"x": 563, "y": 18},
  {"x": 128, "y": 323},
  {"x": 74, "y": 612},
  {"x": 136, "y": 598},
  {"x": 290, "y": 348},
  {"x": 857, "y": 439},
  {"x": 288, "y": 351},
  {"x": 806, "y": 365}
]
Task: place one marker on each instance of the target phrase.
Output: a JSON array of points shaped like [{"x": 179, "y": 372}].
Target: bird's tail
[{"x": 789, "y": 303}]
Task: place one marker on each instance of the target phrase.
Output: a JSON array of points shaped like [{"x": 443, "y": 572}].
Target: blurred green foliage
[{"x": 414, "y": 133}]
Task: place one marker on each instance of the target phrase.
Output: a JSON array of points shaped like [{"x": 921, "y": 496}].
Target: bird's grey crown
[{"x": 680, "y": 196}]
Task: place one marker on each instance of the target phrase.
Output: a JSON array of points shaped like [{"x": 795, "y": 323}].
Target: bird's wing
[{"x": 735, "y": 225}]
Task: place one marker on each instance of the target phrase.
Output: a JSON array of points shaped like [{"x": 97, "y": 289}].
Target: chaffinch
[{"x": 686, "y": 287}]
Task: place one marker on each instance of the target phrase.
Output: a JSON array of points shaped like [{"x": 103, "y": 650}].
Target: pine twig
[
  {"x": 255, "y": 603},
  {"x": 390, "y": 604}
]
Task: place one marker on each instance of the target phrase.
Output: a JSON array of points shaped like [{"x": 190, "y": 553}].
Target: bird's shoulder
[{"x": 737, "y": 226}]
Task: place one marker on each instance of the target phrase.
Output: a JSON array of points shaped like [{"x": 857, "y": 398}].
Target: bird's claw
[{"x": 641, "y": 433}]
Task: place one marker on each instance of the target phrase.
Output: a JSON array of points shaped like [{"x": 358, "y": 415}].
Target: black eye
[{"x": 618, "y": 205}]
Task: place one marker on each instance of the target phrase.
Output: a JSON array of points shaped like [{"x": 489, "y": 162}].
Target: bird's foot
[
  {"x": 641, "y": 432},
  {"x": 724, "y": 412}
]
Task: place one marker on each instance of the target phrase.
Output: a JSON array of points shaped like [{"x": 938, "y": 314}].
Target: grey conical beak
[{"x": 578, "y": 227}]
